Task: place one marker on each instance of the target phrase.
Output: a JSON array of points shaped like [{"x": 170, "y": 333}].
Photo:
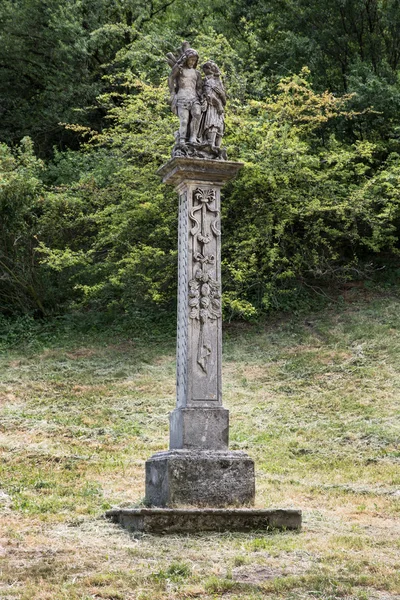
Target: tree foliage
[
  {"x": 20, "y": 200},
  {"x": 316, "y": 201}
]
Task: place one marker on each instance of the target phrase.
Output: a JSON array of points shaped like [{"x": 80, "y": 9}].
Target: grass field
[{"x": 314, "y": 399}]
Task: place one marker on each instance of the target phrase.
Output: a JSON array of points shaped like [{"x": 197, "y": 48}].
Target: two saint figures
[{"x": 199, "y": 103}]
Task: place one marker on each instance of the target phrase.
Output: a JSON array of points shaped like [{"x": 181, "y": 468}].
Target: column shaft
[
  {"x": 199, "y": 338},
  {"x": 199, "y": 420}
]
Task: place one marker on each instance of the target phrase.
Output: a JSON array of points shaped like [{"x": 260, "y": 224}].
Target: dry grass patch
[{"x": 315, "y": 401}]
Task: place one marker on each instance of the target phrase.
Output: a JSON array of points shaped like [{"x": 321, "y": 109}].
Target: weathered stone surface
[
  {"x": 200, "y": 478},
  {"x": 180, "y": 170},
  {"x": 205, "y": 428},
  {"x": 199, "y": 103},
  {"x": 199, "y": 331},
  {"x": 198, "y": 470},
  {"x": 167, "y": 520}
]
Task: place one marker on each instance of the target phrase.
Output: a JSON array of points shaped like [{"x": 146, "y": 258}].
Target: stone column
[{"x": 198, "y": 469}]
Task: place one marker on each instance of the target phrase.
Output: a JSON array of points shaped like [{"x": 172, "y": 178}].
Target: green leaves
[
  {"x": 20, "y": 206},
  {"x": 316, "y": 201},
  {"x": 305, "y": 207}
]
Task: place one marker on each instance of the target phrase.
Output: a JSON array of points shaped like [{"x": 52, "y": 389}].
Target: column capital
[{"x": 181, "y": 170}]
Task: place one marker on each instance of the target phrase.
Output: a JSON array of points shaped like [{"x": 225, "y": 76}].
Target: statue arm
[
  {"x": 219, "y": 106},
  {"x": 199, "y": 85},
  {"x": 173, "y": 78},
  {"x": 219, "y": 90},
  {"x": 222, "y": 96},
  {"x": 215, "y": 96}
]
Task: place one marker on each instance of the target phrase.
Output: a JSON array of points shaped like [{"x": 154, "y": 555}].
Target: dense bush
[
  {"x": 21, "y": 197},
  {"x": 315, "y": 204},
  {"x": 307, "y": 208}
]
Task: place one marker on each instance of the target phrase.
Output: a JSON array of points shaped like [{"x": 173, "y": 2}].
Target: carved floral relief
[{"x": 204, "y": 289}]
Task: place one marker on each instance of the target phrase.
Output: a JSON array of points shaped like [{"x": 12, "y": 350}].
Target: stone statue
[
  {"x": 198, "y": 104},
  {"x": 214, "y": 92},
  {"x": 186, "y": 87}
]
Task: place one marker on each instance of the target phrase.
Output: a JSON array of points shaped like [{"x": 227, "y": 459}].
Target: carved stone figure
[
  {"x": 198, "y": 104},
  {"x": 199, "y": 469},
  {"x": 186, "y": 87},
  {"x": 214, "y": 92}
]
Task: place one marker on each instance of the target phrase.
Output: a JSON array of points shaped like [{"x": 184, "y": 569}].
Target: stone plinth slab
[
  {"x": 200, "y": 478},
  {"x": 205, "y": 428},
  {"x": 171, "y": 520},
  {"x": 180, "y": 169}
]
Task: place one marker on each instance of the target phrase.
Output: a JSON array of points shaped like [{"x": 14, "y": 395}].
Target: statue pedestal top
[{"x": 201, "y": 170}]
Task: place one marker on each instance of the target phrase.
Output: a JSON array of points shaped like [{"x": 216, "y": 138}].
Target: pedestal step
[
  {"x": 174, "y": 520},
  {"x": 200, "y": 478}
]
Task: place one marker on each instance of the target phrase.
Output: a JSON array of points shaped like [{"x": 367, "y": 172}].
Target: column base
[
  {"x": 200, "y": 478},
  {"x": 193, "y": 520},
  {"x": 202, "y": 428}
]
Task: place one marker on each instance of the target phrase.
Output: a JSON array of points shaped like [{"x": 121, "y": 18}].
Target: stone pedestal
[
  {"x": 193, "y": 520},
  {"x": 199, "y": 478},
  {"x": 199, "y": 470}
]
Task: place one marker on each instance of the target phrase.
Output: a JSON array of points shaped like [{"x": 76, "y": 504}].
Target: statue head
[
  {"x": 191, "y": 58},
  {"x": 210, "y": 68}
]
